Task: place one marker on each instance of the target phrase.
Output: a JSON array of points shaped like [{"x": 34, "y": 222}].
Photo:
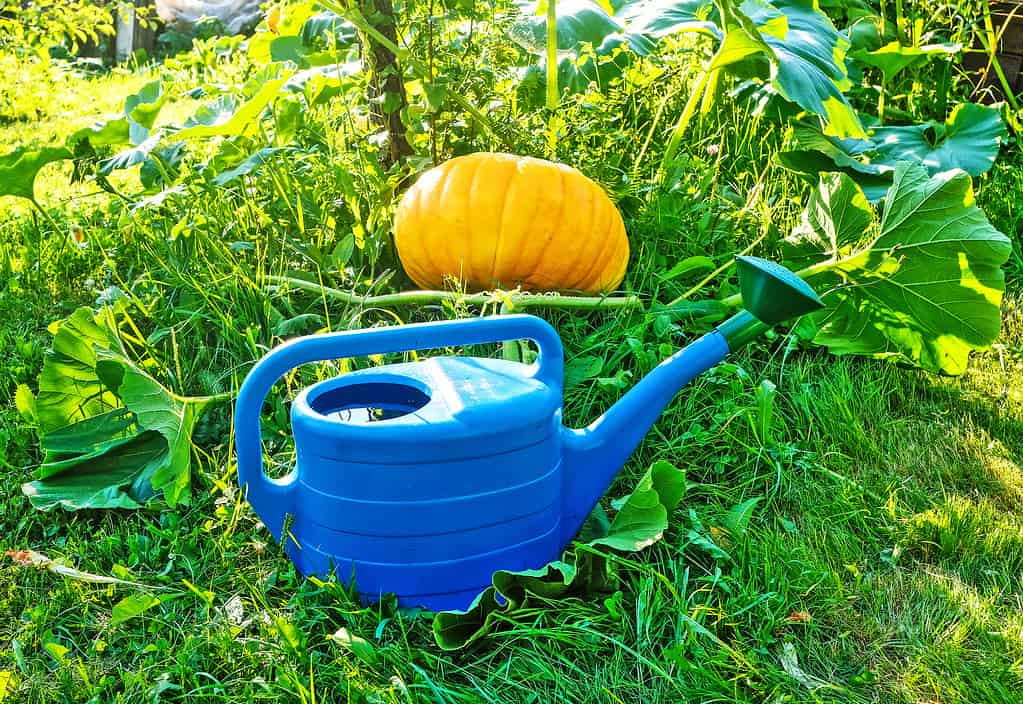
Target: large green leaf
[
  {"x": 641, "y": 521},
  {"x": 226, "y": 117},
  {"x": 924, "y": 290},
  {"x": 132, "y": 128},
  {"x": 113, "y": 437},
  {"x": 116, "y": 479},
  {"x": 874, "y": 180},
  {"x": 894, "y": 58},
  {"x": 643, "y": 516},
  {"x": 660, "y": 18},
  {"x": 589, "y": 22},
  {"x": 816, "y": 153},
  {"x": 70, "y": 389},
  {"x": 596, "y": 40},
  {"x": 805, "y": 51},
  {"x": 131, "y": 156},
  {"x": 303, "y": 29},
  {"x": 173, "y": 417},
  {"x": 969, "y": 140},
  {"x": 18, "y": 169},
  {"x": 836, "y": 218},
  {"x": 109, "y": 133},
  {"x": 142, "y": 109},
  {"x": 86, "y": 439}
]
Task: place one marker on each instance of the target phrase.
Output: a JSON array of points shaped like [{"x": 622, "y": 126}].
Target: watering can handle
[{"x": 271, "y": 498}]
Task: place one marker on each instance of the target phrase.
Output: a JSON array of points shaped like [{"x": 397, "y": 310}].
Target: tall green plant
[{"x": 805, "y": 55}]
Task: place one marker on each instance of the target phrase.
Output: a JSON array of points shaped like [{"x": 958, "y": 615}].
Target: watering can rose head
[
  {"x": 424, "y": 478},
  {"x": 500, "y": 220}
]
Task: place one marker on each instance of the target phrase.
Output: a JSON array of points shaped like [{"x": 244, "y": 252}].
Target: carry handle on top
[{"x": 270, "y": 497}]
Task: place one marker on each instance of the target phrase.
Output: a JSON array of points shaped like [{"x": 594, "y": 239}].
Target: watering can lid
[{"x": 475, "y": 407}]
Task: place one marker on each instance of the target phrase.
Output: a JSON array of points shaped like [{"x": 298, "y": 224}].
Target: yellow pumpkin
[{"x": 500, "y": 220}]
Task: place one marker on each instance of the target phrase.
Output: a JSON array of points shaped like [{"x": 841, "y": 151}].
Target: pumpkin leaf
[
  {"x": 19, "y": 168},
  {"x": 87, "y": 439},
  {"x": 511, "y": 591},
  {"x": 70, "y": 389},
  {"x": 140, "y": 112},
  {"x": 113, "y": 437},
  {"x": 641, "y": 521},
  {"x": 661, "y": 18},
  {"x": 325, "y": 27},
  {"x": 226, "y": 116},
  {"x": 874, "y": 180},
  {"x": 835, "y": 219},
  {"x": 643, "y": 516},
  {"x": 142, "y": 109},
  {"x": 131, "y": 156},
  {"x": 596, "y": 41},
  {"x": 969, "y": 140},
  {"x": 818, "y": 152},
  {"x": 118, "y": 478},
  {"x": 806, "y": 55},
  {"x": 174, "y": 417},
  {"x": 894, "y": 58},
  {"x": 103, "y": 134},
  {"x": 924, "y": 290}
]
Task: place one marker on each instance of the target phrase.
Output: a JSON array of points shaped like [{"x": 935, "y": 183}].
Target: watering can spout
[{"x": 593, "y": 455}]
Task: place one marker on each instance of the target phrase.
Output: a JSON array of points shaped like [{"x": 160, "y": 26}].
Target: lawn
[{"x": 852, "y": 527}]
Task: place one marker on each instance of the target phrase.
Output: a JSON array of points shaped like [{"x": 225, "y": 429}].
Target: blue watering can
[{"x": 422, "y": 479}]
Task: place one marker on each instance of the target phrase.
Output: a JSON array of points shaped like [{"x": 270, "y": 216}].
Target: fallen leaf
[
  {"x": 21, "y": 557},
  {"x": 31, "y": 558}
]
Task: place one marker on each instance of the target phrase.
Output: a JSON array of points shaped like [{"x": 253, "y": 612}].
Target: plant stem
[
  {"x": 552, "y": 79},
  {"x": 552, "y": 55},
  {"x": 683, "y": 122},
  {"x": 649, "y": 135},
  {"x": 353, "y": 15},
  {"x": 900, "y": 22},
  {"x": 516, "y": 300},
  {"x": 45, "y": 215},
  {"x": 989, "y": 41},
  {"x": 880, "y": 102}
]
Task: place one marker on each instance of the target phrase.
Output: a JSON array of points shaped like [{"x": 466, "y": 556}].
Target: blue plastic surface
[{"x": 422, "y": 479}]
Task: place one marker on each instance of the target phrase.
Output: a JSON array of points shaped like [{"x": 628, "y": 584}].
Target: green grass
[{"x": 881, "y": 562}]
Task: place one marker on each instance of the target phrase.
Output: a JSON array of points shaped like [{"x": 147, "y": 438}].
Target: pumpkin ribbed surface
[{"x": 500, "y": 220}]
